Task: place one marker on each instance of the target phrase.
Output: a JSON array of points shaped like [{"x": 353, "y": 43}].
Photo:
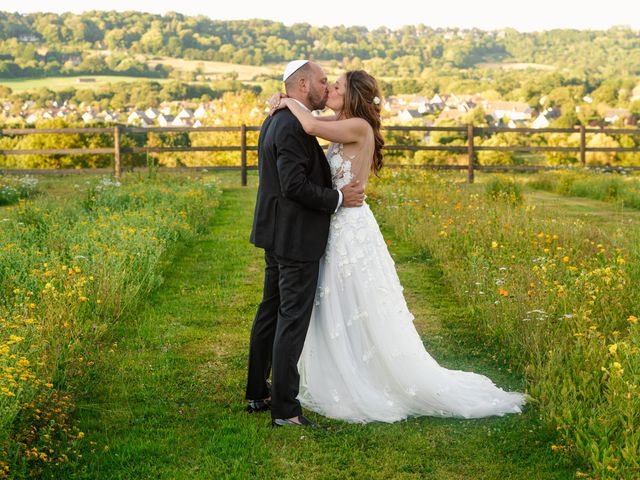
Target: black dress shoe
[
  {"x": 284, "y": 422},
  {"x": 255, "y": 406}
]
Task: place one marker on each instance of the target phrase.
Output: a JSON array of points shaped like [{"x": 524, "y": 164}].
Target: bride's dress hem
[{"x": 363, "y": 360}]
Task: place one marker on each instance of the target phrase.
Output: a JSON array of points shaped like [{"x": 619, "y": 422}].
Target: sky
[{"x": 484, "y": 14}]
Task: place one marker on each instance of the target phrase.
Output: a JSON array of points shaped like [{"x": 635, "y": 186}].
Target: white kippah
[{"x": 292, "y": 67}]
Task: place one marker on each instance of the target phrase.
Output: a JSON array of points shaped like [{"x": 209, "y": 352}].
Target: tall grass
[
  {"x": 611, "y": 187},
  {"x": 557, "y": 296},
  {"x": 68, "y": 271}
]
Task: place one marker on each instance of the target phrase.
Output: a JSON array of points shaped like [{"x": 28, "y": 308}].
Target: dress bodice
[{"x": 341, "y": 172}]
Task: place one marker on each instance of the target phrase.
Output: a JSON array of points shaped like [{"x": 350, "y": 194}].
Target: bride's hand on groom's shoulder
[
  {"x": 352, "y": 194},
  {"x": 276, "y": 103}
]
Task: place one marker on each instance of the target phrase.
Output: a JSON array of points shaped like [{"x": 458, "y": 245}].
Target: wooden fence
[{"x": 469, "y": 131}]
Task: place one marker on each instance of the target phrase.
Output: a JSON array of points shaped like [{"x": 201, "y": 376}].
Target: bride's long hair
[{"x": 362, "y": 99}]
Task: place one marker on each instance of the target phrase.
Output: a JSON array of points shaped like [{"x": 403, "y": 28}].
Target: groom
[{"x": 291, "y": 223}]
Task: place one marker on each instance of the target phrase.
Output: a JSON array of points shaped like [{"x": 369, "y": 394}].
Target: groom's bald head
[
  {"x": 303, "y": 74},
  {"x": 308, "y": 84}
]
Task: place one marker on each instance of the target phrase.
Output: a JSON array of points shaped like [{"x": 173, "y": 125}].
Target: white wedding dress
[{"x": 363, "y": 359}]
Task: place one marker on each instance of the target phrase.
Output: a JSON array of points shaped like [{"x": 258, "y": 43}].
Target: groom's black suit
[{"x": 291, "y": 223}]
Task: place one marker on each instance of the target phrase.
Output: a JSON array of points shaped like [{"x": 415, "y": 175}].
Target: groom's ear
[
  {"x": 302, "y": 83},
  {"x": 295, "y": 84}
]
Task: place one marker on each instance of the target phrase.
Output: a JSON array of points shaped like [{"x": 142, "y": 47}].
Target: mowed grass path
[{"x": 167, "y": 402}]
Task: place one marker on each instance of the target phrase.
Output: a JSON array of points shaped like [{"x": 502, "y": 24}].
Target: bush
[{"x": 504, "y": 189}]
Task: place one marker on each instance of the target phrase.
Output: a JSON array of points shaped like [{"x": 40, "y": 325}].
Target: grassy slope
[{"x": 167, "y": 403}]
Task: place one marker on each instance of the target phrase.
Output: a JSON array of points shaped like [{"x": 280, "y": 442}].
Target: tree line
[{"x": 63, "y": 43}]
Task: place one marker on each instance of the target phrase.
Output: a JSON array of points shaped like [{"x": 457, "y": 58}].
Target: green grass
[
  {"x": 167, "y": 401},
  {"x": 610, "y": 217}
]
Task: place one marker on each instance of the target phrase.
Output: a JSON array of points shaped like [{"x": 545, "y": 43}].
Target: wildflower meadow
[
  {"x": 69, "y": 269},
  {"x": 557, "y": 296},
  {"x": 542, "y": 287}
]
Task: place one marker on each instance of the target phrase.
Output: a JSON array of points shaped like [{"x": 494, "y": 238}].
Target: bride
[{"x": 363, "y": 359}]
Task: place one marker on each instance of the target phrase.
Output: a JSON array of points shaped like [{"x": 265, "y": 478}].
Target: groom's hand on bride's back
[{"x": 352, "y": 194}]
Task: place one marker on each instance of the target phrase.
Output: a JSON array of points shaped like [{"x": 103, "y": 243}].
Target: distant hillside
[{"x": 49, "y": 44}]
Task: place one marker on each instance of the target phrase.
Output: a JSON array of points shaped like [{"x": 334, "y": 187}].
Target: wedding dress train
[{"x": 363, "y": 359}]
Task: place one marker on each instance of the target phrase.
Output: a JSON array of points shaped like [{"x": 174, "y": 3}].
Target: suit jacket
[{"x": 295, "y": 199}]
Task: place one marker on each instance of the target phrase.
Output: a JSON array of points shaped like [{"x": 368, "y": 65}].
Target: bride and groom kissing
[{"x": 333, "y": 327}]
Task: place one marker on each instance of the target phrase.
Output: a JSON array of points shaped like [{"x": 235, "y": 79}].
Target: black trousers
[{"x": 278, "y": 333}]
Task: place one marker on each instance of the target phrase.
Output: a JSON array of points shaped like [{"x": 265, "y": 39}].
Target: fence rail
[{"x": 468, "y": 130}]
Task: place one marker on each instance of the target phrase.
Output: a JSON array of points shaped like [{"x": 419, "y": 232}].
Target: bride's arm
[{"x": 338, "y": 131}]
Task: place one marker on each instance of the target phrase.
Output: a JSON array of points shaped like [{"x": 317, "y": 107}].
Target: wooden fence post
[
  {"x": 583, "y": 142},
  {"x": 243, "y": 154},
  {"x": 471, "y": 152},
  {"x": 116, "y": 152}
]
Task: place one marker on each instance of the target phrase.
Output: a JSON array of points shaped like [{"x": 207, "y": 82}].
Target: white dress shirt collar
[{"x": 301, "y": 104}]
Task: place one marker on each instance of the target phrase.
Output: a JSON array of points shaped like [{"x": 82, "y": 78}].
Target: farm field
[
  {"x": 60, "y": 83},
  {"x": 217, "y": 70},
  {"x": 531, "y": 288}
]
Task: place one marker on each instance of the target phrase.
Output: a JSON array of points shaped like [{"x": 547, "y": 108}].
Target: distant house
[
  {"x": 165, "y": 120},
  {"x": 73, "y": 58},
  {"x": 541, "y": 122},
  {"x": 422, "y": 104},
  {"x": 108, "y": 116},
  {"x": 452, "y": 100},
  {"x": 466, "y": 106},
  {"x": 185, "y": 113},
  {"x": 48, "y": 115},
  {"x": 511, "y": 110},
  {"x": 27, "y": 38},
  {"x": 137, "y": 117},
  {"x": 181, "y": 122},
  {"x": 418, "y": 100},
  {"x": 437, "y": 101},
  {"x": 32, "y": 118},
  {"x": 146, "y": 123},
  {"x": 200, "y": 112},
  {"x": 407, "y": 115},
  {"x": 587, "y": 99},
  {"x": 197, "y": 124},
  {"x": 612, "y": 115},
  {"x": 451, "y": 114},
  {"x": 151, "y": 113},
  {"x": 88, "y": 117}
]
